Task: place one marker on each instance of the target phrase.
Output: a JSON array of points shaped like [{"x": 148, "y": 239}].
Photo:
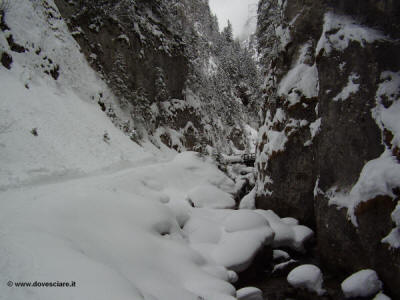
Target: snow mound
[
  {"x": 249, "y": 293},
  {"x": 308, "y": 277},
  {"x": 381, "y": 296},
  {"x": 231, "y": 238},
  {"x": 244, "y": 220},
  {"x": 287, "y": 235},
  {"x": 248, "y": 201},
  {"x": 211, "y": 197},
  {"x": 280, "y": 255},
  {"x": 364, "y": 283}
]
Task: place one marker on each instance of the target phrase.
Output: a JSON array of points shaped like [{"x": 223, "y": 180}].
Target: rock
[
  {"x": 249, "y": 293},
  {"x": 307, "y": 277},
  {"x": 364, "y": 283},
  {"x": 318, "y": 134}
]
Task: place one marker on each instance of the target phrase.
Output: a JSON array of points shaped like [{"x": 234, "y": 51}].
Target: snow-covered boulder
[
  {"x": 287, "y": 232},
  {"x": 381, "y": 296},
  {"x": 211, "y": 197},
  {"x": 307, "y": 277},
  {"x": 280, "y": 255},
  {"x": 249, "y": 293},
  {"x": 231, "y": 238},
  {"x": 364, "y": 283}
]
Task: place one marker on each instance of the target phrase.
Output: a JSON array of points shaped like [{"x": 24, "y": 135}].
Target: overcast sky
[{"x": 237, "y": 11}]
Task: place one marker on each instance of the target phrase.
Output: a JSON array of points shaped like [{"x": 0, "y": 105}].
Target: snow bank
[
  {"x": 286, "y": 235},
  {"x": 381, "y": 296},
  {"x": 249, "y": 293},
  {"x": 231, "y": 238},
  {"x": 211, "y": 197},
  {"x": 308, "y": 277},
  {"x": 364, "y": 283},
  {"x": 248, "y": 201},
  {"x": 115, "y": 238},
  {"x": 69, "y": 123}
]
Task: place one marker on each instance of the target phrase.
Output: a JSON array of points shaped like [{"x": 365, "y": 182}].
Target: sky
[{"x": 237, "y": 11}]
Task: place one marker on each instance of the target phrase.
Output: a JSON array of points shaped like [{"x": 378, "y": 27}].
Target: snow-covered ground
[{"x": 79, "y": 201}]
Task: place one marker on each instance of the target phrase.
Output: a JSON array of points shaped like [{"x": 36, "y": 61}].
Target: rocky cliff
[
  {"x": 176, "y": 76},
  {"x": 328, "y": 151}
]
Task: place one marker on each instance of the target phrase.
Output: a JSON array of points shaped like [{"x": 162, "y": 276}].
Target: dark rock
[
  {"x": 14, "y": 46},
  {"x": 348, "y": 136},
  {"x": 6, "y": 60}
]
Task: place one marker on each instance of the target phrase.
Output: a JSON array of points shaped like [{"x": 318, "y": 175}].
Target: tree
[{"x": 227, "y": 32}]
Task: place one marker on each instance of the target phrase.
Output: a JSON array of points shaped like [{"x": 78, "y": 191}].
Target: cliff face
[
  {"x": 328, "y": 151},
  {"x": 164, "y": 61}
]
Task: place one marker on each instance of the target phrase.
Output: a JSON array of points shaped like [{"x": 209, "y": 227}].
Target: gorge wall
[
  {"x": 328, "y": 151},
  {"x": 177, "y": 77}
]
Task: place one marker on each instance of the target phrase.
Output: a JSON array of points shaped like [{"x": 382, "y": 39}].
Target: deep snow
[{"x": 106, "y": 213}]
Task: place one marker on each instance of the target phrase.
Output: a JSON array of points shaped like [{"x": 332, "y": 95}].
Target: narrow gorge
[{"x": 147, "y": 152}]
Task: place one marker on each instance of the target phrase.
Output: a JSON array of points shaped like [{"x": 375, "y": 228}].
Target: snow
[
  {"x": 111, "y": 235},
  {"x": 61, "y": 110},
  {"x": 287, "y": 235},
  {"x": 338, "y": 31},
  {"x": 211, "y": 197},
  {"x": 315, "y": 127},
  {"x": 249, "y": 293},
  {"x": 389, "y": 90},
  {"x": 381, "y": 296},
  {"x": 350, "y": 88},
  {"x": 231, "y": 238},
  {"x": 378, "y": 177},
  {"x": 276, "y": 141},
  {"x": 111, "y": 215},
  {"x": 302, "y": 79},
  {"x": 308, "y": 277},
  {"x": 381, "y": 175},
  {"x": 248, "y": 201},
  {"x": 364, "y": 283},
  {"x": 280, "y": 254},
  {"x": 393, "y": 238}
]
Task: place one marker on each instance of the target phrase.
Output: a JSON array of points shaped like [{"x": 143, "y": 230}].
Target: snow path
[
  {"x": 129, "y": 233},
  {"x": 110, "y": 233}
]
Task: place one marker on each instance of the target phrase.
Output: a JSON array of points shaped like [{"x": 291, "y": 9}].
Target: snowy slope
[
  {"x": 69, "y": 122},
  {"x": 76, "y": 206}
]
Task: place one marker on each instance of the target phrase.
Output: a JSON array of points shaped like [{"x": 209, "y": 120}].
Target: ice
[
  {"x": 308, "y": 277},
  {"x": 364, "y": 283},
  {"x": 211, "y": 197},
  {"x": 249, "y": 293}
]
